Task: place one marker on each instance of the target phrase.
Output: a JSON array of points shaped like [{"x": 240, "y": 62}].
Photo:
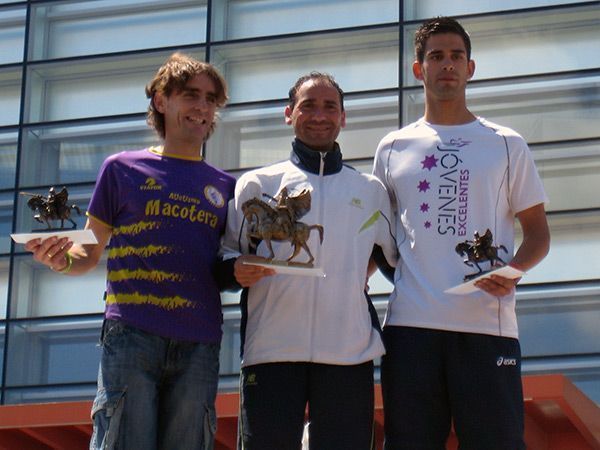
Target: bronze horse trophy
[
  {"x": 480, "y": 249},
  {"x": 52, "y": 208},
  {"x": 280, "y": 223}
]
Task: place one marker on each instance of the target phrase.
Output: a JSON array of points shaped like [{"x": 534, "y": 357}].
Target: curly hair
[
  {"x": 320, "y": 76},
  {"x": 439, "y": 25},
  {"x": 171, "y": 77}
]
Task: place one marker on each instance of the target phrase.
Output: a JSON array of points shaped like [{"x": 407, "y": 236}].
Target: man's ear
[
  {"x": 159, "y": 101},
  {"x": 417, "y": 71},
  {"x": 471, "y": 66},
  {"x": 288, "y": 115}
]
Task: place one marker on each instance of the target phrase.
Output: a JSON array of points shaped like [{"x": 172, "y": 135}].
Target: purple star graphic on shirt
[
  {"x": 424, "y": 207},
  {"x": 427, "y": 224},
  {"x": 429, "y": 162},
  {"x": 423, "y": 186}
]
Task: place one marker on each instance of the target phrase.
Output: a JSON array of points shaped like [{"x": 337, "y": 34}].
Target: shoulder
[
  {"x": 124, "y": 160},
  {"x": 266, "y": 172},
  {"x": 220, "y": 175},
  {"x": 131, "y": 156},
  {"x": 414, "y": 130},
  {"x": 407, "y": 130},
  {"x": 515, "y": 143},
  {"x": 364, "y": 180},
  {"x": 501, "y": 130}
]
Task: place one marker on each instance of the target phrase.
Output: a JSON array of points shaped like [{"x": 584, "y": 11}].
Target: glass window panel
[
  {"x": 572, "y": 312},
  {"x": 63, "y": 29},
  {"x": 50, "y": 394},
  {"x": 4, "y": 271},
  {"x": 574, "y": 250},
  {"x": 359, "y": 60},
  {"x": 575, "y": 367},
  {"x": 39, "y": 292},
  {"x": 12, "y": 34},
  {"x": 55, "y": 155},
  {"x": 235, "y": 19},
  {"x": 249, "y": 136},
  {"x": 540, "y": 109},
  {"x": 418, "y": 9},
  {"x": 230, "y": 345},
  {"x": 229, "y": 383},
  {"x": 8, "y": 159},
  {"x": 6, "y": 219},
  {"x": 230, "y": 297},
  {"x": 378, "y": 284},
  {"x": 256, "y": 136},
  {"x": 527, "y": 43},
  {"x": 543, "y": 110},
  {"x": 10, "y": 100},
  {"x": 571, "y": 174},
  {"x": 53, "y": 351},
  {"x": 90, "y": 88}
]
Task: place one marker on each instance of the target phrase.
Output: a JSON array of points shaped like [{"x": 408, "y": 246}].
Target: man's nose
[
  {"x": 448, "y": 64},
  {"x": 202, "y": 104},
  {"x": 319, "y": 114}
]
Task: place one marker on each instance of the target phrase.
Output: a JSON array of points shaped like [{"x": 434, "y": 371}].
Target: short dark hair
[
  {"x": 317, "y": 76},
  {"x": 171, "y": 77},
  {"x": 439, "y": 25}
]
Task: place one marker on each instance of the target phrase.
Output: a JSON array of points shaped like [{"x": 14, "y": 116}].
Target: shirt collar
[{"x": 310, "y": 160}]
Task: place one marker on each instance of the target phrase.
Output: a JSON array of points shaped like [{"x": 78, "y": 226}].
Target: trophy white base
[
  {"x": 288, "y": 268},
  {"x": 469, "y": 286},
  {"x": 77, "y": 236}
]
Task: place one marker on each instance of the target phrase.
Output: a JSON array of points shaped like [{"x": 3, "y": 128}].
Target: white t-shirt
[{"x": 448, "y": 182}]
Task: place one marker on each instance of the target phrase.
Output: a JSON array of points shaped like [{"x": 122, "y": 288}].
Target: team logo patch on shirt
[
  {"x": 150, "y": 185},
  {"x": 356, "y": 202},
  {"x": 214, "y": 196}
]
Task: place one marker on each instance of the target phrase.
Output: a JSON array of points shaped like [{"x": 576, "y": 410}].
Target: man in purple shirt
[{"x": 162, "y": 211}]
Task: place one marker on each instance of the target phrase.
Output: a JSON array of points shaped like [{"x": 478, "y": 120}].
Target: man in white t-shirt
[{"x": 455, "y": 358}]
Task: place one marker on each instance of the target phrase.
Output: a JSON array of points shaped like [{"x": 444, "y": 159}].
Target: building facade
[{"x": 72, "y": 77}]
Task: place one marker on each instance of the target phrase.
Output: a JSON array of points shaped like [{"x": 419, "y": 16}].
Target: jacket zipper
[{"x": 318, "y": 251}]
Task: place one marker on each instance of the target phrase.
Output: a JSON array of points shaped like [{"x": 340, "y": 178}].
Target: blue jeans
[{"x": 154, "y": 393}]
